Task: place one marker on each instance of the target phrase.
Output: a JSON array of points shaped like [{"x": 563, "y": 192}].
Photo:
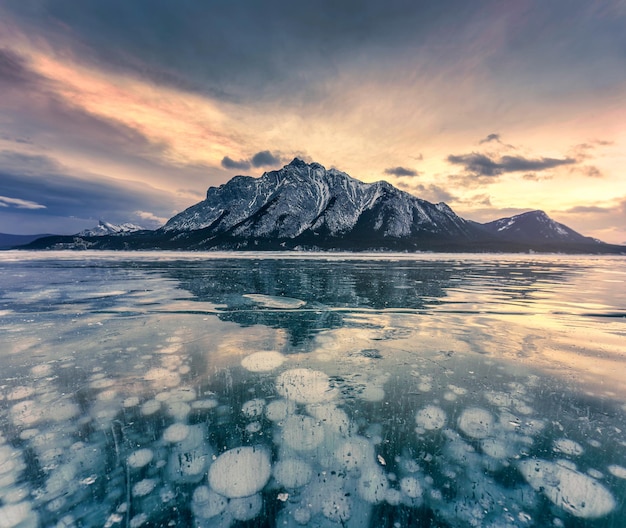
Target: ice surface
[{"x": 398, "y": 398}]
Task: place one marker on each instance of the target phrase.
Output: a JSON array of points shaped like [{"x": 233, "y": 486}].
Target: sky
[{"x": 127, "y": 111}]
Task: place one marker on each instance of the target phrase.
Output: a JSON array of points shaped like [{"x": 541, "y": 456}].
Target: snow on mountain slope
[
  {"x": 107, "y": 228},
  {"x": 305, "y": 198},
  {"x": 534, "y": 226}
]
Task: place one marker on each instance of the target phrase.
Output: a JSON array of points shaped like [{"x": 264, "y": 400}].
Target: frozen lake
[{"x": 289, "y": 390}]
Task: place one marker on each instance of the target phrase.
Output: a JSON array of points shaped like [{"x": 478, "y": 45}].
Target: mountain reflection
[{"x": 328, "y": 289}]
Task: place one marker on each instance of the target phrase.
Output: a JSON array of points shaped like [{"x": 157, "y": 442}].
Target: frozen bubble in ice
[
  {"x": 253, "y": 427},
  {"x": 331, "y": 416},
  {"x": 13, "y": 515},
  {"x": 253, "y": 408},
  {"x": 27, "y": 413},
  {"x": 337, "y": 507},
  {"x": 177, "y": 409},
  {"x": 181, "y": 394},
  {"x": 206, "y": 503},
  {"x": 163, "y": 377},
  {"x": 240, "y": 472},
  {"x": 567, "y": 447},
  {"x": 278, "y": 410},
  {"x": 100, "y": 382},
  {"x": 63, "y": 411},
  {"x": 430, "y": 418},
  {"x": 304, "y": 385},
  {"x": 411, "y": 487},
  {"x": 302, "y": 515},
  {"x": 496, "y": 448},
  {"x": 138, "y": 520},
  {"x": 131, "y": 401},
  {"x": 373, "y": 485},
  {"x": 292, "y": 473},
  {"x": 246, "y": 508},
  {"x": 204, "y": 405},
  {"x": 150, "y": 407},
  {"x": 302, "y": 433},
  {"x": 393, "y": 497},
  {"x": 499, "y": 399},
  {"x": 476, "y": 422},
  {"x": 176, "y": 433},
  {"x": 144, "y": 487},
  {"x": 272, "y": 301},
  {"x": 40, "y": 371},
  {"x": 262, "y": 361},
  {"x": 21, "y": 392},
  {"x": 355, "y": 452},
  {"x": 578, "y": 494},
  {"x": 107, "y": 395},
  {"x": 140, "y": 458},
  {"x": 617, "y": 471},
  {"x": 597, "y": 474},
  {"x": 372, "y": 393}
]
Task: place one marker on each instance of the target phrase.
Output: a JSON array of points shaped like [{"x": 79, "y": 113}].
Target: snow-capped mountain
[
  {"x": 107, "y": 228},
  {"x": 534, "y": 227},
  {"x": 305, "y": 202},
  {"x": 305, "y": 206}
]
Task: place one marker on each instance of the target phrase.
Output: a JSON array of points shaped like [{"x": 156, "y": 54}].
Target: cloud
[
  {"x": 150, "y": 220},
  {"x": 41, "y": 187},
  {"x": 483, "y": 165},
  {"x": 229, "y": 163},
  {"x": 400, "y": 171},
  {"x": 5, "y": 201},
  {"x": 260, "y": 159},
  {"x": 14, "y": 70},
  {"x": 490, "y": 138},
  {"x": 264, "y": 158},
  {"x": 589, "y": 209}
]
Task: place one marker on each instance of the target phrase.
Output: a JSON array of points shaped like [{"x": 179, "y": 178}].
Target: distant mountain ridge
[
  {"x": 304, "y": 206},
  {"x": 535, "y": 226},
  {"x": 107, "y": 228}
]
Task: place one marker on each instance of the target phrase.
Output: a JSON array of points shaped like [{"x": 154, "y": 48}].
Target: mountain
[
  {"x": 308, "y": 207},
  {"x": 106, "y": 228},
  {"x": 535, "y": 227},
  {"x": 306, "y": 204}
]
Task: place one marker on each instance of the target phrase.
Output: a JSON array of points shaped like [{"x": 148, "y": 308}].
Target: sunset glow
[{"x": 127, "y": 114}]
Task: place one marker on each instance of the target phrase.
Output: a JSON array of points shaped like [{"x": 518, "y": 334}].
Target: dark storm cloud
[
  {"x": 237, "y": 49},
  {"x": 483, "y": 165},
  {"x": 264, "y": 158},
  {"x": 42, "y": 180},
  {"x": 490, "y": 138},
  {"x": 400, "y": 171},
  {"x": 229, "y": 163}
]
